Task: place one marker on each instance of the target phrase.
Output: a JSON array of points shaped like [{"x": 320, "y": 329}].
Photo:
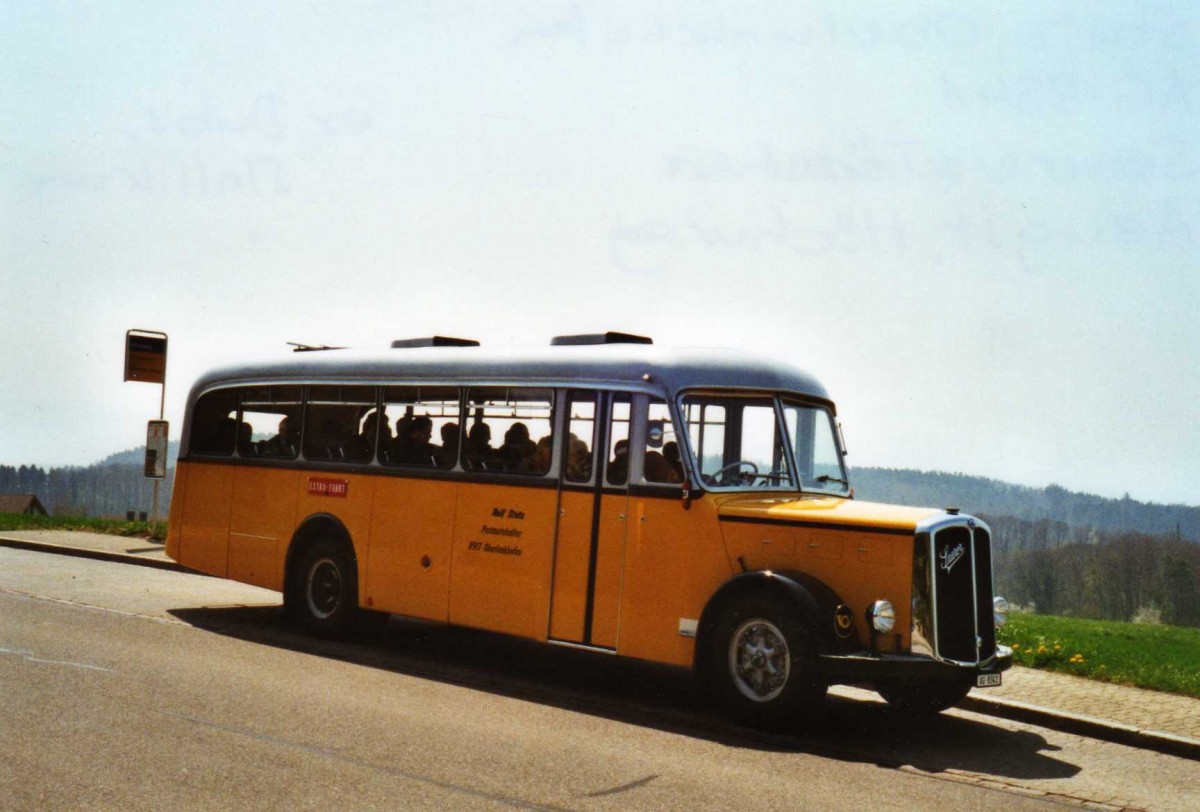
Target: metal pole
[{"x": 162, "y": 403}]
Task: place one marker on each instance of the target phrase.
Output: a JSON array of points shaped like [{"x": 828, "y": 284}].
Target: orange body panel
[
  {"x": 262, "y": 519},
  {"x": 203, "y": 537},
  {"x": 502, "y": 558},
  {"x": 675, "y": 561},
  {"x": 411, "y": 530}
]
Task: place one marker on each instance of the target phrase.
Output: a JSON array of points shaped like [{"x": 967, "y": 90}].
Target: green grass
[
  {"x": 113, "y": 527},
  {"x": 1158, "y": 657}
]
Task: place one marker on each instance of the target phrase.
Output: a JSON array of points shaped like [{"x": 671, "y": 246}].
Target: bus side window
[
  {"x": 617, "y": 467},
  {"x": 214, "y": 423},
  {"x": 269, "y": 422},
  {"x": 517, "y": 415},
  {"x": 333, "y": 423},
  {"x": 427, "y": 426},
  {"x": 581, "y": 436}
]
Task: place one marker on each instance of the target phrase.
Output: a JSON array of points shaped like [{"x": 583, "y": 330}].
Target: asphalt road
[{"x": 129, "y": 688}]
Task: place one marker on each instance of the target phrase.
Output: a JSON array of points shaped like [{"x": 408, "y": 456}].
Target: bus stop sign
[{"x": 145, "y": 356}]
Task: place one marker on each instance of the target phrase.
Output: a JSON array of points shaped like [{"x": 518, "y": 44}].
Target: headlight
[
  {"x": 999, "y": 611},
  {"x": 882, "y": 616}
]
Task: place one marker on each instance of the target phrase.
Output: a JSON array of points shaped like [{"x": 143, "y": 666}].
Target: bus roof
[{"x": 647, "y": 367}]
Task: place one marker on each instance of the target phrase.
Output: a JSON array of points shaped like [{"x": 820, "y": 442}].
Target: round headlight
[
  {"x": 999, "y": 611},
  {"x": 882, "y": 616}
]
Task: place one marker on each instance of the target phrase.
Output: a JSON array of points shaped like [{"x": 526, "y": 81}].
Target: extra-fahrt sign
[{"x": 145, "y": 356}]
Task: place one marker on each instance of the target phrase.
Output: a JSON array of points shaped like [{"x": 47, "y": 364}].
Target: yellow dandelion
[{"x": 1042, "y": 649}]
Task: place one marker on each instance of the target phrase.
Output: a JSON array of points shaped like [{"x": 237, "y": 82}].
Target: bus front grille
[{"x": 952, "y": 581}]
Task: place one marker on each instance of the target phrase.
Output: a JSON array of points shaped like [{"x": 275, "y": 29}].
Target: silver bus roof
[{"x": 642, "y": 366}]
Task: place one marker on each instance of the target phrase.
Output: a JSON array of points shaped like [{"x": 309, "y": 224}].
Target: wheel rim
[
  {"x": 759, "y": 660},
  {"x": 324, "y": 588}
]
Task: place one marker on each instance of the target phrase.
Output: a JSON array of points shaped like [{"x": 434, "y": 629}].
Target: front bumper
[{"x": 867, "y": 667}]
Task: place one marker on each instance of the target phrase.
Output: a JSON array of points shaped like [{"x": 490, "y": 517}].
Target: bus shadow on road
[{"x": 653, "y": 695}]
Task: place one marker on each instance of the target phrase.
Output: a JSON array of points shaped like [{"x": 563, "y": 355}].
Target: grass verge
[
  {"x": 155, "y": 531},
  {"x": 1158, "y": 657}
]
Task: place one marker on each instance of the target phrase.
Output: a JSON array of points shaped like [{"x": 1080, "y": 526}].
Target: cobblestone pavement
[{"x": 1146, "y": 710}]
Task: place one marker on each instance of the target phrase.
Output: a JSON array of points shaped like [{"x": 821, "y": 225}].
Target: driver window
[{"x": 738, "y": 441}]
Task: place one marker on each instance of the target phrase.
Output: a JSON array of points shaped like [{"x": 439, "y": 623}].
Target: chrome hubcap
[
  {"x": 759, "y": 661},
  {"x": 324, "y": 590}
]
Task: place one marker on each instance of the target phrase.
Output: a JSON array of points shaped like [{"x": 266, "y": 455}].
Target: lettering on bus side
[
  {"x": 487, "y": 547},
  {"x": 321, "y": 486}
]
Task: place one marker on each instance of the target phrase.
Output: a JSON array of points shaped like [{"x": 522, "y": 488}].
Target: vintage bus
[{"x": 688, "y": 507}]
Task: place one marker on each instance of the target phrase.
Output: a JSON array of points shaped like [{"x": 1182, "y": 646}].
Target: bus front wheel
[{"x": 762, "y": 664}]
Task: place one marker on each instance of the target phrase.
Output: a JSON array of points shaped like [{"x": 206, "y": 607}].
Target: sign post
[{"x": 146, "y": 361}]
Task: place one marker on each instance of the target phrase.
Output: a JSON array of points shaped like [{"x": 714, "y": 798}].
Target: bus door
[{"x": 593, "y": 506}]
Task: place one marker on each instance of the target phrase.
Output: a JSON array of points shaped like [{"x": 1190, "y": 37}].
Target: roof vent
[
  {"x": 600, "y": 338},
  {"x": 433, "y": 341}
]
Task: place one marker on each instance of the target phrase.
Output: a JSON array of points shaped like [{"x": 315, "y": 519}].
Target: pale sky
[{"x": 977, "y": 225}]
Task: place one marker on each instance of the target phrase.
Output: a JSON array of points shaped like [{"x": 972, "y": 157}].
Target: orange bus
[{"x": 688, "y": 507}]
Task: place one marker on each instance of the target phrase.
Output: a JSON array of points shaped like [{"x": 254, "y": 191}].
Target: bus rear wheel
[
  {"x": 328, "y": 594},
  {"x": 762, "y": 664}
]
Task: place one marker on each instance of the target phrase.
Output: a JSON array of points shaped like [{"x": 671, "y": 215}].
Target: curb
[
  {"x": 97, "y": 555},
  {"x": 1079, "y": 724},
  {"x": 1091, "y": 727}
]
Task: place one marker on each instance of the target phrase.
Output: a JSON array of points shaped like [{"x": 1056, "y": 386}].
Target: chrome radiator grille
[{"x": 952, "y": 593}]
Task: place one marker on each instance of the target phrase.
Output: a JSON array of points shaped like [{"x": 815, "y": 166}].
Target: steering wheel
[{"x": 722, "y": 476}]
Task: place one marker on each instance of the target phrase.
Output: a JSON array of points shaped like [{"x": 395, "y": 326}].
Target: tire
[
  {"x": 924, "y": 698},
  {"x": 761, "y": 664},
  {"x": 326, "y": 593}
]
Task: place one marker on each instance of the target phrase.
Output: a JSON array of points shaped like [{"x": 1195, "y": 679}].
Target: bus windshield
[{"x": 761, "y": 442}]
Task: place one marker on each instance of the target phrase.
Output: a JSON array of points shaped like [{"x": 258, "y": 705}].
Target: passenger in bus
[
  {"x": 245, "y": 435},
  {"x": 282, "y": 444},
  {"x": 365, "y": 442},
  {"x": 657, "y": 469},
  {"x": 579, "y": 460},
  {"x": 618, "y": 466},
  {"x": 671, "y": 455},
  {"x": 518, "y": 449},
  {"x": 539, "y": 463},
  {"x": 446, "y": 456},
  {"x": 479, "y": 451},
  {"x": 416, "y": 448}
]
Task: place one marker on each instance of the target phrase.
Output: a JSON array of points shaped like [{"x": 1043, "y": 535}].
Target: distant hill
[
  {"x": 975, "y": 494},
  {"x": 137, "y": 456}
]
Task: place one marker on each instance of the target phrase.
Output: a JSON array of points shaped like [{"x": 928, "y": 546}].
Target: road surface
[{"x": 130, "y": 688}]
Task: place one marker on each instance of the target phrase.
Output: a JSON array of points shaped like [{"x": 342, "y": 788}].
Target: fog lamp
[
  {"x": 882, "y": 616},
  {"x": 999, "y": 611}
]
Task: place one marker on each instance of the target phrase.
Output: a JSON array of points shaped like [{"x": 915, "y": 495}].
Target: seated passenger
[
  {"x": 518, "y": 450},
  {"x": 479, "y": 451},
  {"x": 448, "y": 454},
  {"x": 539, "y": 463},
  {"x": 417, "y": 450},
  {"x": 579, "y": 460},
  {"x": 618, "y": 466},
  {"x": 671, "y": 455},
  {"x": 282, "y": 444},
  {"x": 365, "y": 442}
]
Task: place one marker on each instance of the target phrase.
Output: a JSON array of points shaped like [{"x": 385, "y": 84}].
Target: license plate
[{"x": 987, "y": 680}]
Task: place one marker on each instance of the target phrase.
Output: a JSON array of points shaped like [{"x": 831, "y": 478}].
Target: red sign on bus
[{"x": 319, "y": 486}]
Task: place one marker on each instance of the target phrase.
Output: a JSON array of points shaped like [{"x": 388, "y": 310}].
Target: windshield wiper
[{"x": 828, "y": 478}]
